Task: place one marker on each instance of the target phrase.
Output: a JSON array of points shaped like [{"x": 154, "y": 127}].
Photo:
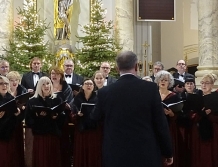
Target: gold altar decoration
[
  {"x": 62, "y": 55},
  {"x": 62, "y": 16},
  {"x": 145, "y": 45},
  {"x": 140, "y": 65},
  {"x": 150, "y": 67}
]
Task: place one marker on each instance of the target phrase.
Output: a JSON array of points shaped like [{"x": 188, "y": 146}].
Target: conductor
[{"x": 135, "y": 128}]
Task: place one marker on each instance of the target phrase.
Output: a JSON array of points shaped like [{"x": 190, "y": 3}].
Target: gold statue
[
  {"x": 62, "y": 55},
  {"x": 62, "y": 15}
]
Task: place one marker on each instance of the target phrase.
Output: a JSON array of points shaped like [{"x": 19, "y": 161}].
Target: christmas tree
[
  {"x": 28, "y": 40},
  {"x": 99, "y": 45}
]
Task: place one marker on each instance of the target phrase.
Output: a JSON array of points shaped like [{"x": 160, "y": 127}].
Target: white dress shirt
[{"x": 68, "y": 79}]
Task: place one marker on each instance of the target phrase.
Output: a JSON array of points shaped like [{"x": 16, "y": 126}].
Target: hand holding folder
[
  {"x": 85, "y": 121},
  {"x": 9, "y": 107},
  {"x": 22, "y": 99},
  {"x": 175, "y": 107},
  {"x": 58, "y": 109},
  {"x": 86, "y": 108}
]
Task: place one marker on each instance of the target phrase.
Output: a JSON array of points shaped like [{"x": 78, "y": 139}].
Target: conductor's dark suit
[
  {"x": 136, "y": 132},
  {"x": 110, "y": 80}
]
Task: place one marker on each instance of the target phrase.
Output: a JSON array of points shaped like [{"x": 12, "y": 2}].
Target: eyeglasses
[
  {"x": 106, "y": 68},
  {"x": 205, "y": 83},
  {"x": 68, "y": 65},
  {"x": 157, "y": 69},
  {"x": 181, "y": 64},
  {"x": 5, "y": 67},
  {"x": 88, "y": 84},
  {"x": 165, "y": 80},
  {"x": 4, "y": 83}
]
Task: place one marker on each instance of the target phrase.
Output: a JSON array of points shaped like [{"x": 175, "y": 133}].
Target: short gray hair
[
  {"x": 68, "y": 60},
  {"x": 163, "y": 74},
  {"x": 126, "y": 60},
  {"x": 158, "y": 63}
]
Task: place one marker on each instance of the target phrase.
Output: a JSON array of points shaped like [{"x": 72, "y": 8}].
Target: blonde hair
[
  {"x": 3, "y": 61},
  {"x": 13, "y": 75},
  {"x": 5, "y": 79},
  {"x": 41, "y": 81},
  {"x": 98, "y": 72},
  {"x": 211, "y": 76}
]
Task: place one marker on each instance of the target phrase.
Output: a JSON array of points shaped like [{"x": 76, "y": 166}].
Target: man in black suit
[
  {"x": 70, "y": 76},
  {"x": 106, "y": 68},
  {"x": 181, "y": 75},
  {"x": 136, "y": 132},
  {"x": 30, "y": 79}
]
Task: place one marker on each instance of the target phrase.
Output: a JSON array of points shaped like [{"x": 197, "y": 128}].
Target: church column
[
  {"x": 124, "y": 23},
  {"x": 208, "y": 38},
  {"x": 6, "y": 23}
]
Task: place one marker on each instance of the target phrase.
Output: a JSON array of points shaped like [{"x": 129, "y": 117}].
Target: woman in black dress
[
  {"x": 16, "y": 90},
  {"x": 88, "y": 135},
  {"x": 63, "y": 90},
  {"x": 165, "y": 81},
  {"x": 45, "y": 125},
  {"x": 207, "y": 128},
  {"x": 9, "y": 146}
]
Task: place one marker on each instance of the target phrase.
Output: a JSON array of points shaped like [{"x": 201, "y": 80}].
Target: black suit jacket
[
  {"x": 186, "y": 75},
  {"x": 27, "y": 79},
  {"x": 136, "y": 132},
  {"x": 110, "y": 80},
  {"x": 77, "y": 79}
]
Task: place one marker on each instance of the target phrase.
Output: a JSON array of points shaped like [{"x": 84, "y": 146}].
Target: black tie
[
  {"x": 106, "y": 78},
  {"x": 67, "y": 76},
  {"x": 37, "y": 73},
  {"x": 181, "y": 75}
]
